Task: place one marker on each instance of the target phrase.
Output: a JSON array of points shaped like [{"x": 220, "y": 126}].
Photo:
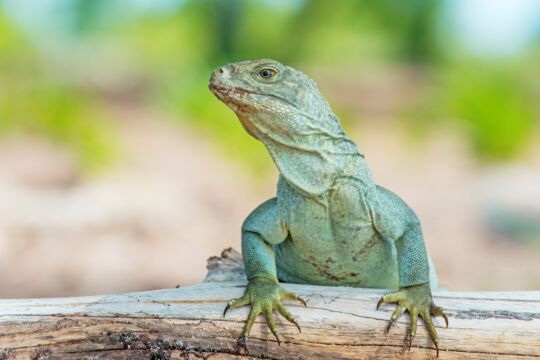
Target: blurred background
[{"x": 119, "y": 170}]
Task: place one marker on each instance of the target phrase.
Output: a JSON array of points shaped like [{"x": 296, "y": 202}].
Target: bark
[{"x": 188, "y": 323}]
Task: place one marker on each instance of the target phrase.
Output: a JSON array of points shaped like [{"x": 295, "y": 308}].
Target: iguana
[{"x": 329, "y": 223}]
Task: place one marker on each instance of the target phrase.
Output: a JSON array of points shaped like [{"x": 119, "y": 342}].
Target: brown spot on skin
[
  {"x": 372, "y": 241},
  {"x": 323, "y": 270},
  {"x": 330, "y": 261}
]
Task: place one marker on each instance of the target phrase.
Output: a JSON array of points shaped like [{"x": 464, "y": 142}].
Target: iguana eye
[{"x": 267, "y": 73}]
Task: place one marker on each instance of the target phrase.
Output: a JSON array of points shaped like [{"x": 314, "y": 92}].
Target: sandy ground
[{"x": 175, "y": 200}]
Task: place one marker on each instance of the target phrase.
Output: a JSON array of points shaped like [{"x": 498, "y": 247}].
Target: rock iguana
[{"x": 329, "y": 224}]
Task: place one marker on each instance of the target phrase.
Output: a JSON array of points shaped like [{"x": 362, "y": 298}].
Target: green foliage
[
  {"x": 31, "y": 100},
  {"x": 258, "y": 31},
  {"x": 70, "y": 119},
  {"x": 350, "y": 30},
  {"x": 493, "y": 105},
  {"x": 167, "y": 45}
]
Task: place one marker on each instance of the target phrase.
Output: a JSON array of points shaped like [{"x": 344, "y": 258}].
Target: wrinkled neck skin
[{"x": 309, "y": 153}]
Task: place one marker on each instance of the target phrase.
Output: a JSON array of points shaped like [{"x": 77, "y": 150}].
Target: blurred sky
[{"x": 495, "y": 27}]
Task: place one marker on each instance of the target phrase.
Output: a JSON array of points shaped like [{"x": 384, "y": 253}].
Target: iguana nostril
[{"x": 221, "y": 71}]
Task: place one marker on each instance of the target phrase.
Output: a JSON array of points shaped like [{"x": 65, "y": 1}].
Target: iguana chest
[{"x": 332, "y": 239}]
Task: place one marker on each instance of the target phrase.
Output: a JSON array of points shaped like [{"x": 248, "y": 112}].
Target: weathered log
[{"x": 188, "y": 323}]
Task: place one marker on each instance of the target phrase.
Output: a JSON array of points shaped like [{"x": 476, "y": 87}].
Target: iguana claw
[
  {"x": 264, "y": 295},
  {"x": 416, "y": 300},
  {"x": 242, "y": 341},
  {"x": 389, "y": 326},
  {"x": 277, "y": 338},
  {"x": 380, "y": 303},
  {"x": 296, "y": 324}
]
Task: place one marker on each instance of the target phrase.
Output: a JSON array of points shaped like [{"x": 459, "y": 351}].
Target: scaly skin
[{"x": 329, "y": 223}]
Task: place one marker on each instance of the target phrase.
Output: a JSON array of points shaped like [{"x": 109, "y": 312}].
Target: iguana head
[
  {"x": 270, "y": 97},
  {"x": 283, "y": 108}
]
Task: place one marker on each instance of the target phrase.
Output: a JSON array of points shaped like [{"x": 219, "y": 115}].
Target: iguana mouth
[
  {"x": 220, "y": 90},
  {"x": 225, "y": 90}
]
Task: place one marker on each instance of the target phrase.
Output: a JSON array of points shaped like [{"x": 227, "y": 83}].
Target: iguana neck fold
[{"x": 309, "y": 157}]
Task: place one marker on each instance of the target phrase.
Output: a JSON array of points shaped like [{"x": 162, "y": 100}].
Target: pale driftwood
[{"x": 187, "y": 323}]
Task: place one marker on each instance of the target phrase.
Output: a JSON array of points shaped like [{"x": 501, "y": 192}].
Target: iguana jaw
[{"x": 239, "y": 95}]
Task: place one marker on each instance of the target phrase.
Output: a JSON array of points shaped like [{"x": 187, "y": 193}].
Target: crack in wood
[{"x": 495, "y": 314}]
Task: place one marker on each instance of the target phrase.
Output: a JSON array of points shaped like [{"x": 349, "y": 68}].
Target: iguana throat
[{"x": 308, "y": 158}]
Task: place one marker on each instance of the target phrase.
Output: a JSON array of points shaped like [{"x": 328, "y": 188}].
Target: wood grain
[{"x": 339, "y": 323}]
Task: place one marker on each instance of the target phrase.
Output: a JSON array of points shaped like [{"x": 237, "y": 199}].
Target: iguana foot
[
  {"x": 264, "y": 295},
  {"x": 416, "y": 300}
]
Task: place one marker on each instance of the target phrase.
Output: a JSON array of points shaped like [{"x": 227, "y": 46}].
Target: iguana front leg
[
  {"x": 393, "y": 218},
  {"x": 260, "y": 231}
]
